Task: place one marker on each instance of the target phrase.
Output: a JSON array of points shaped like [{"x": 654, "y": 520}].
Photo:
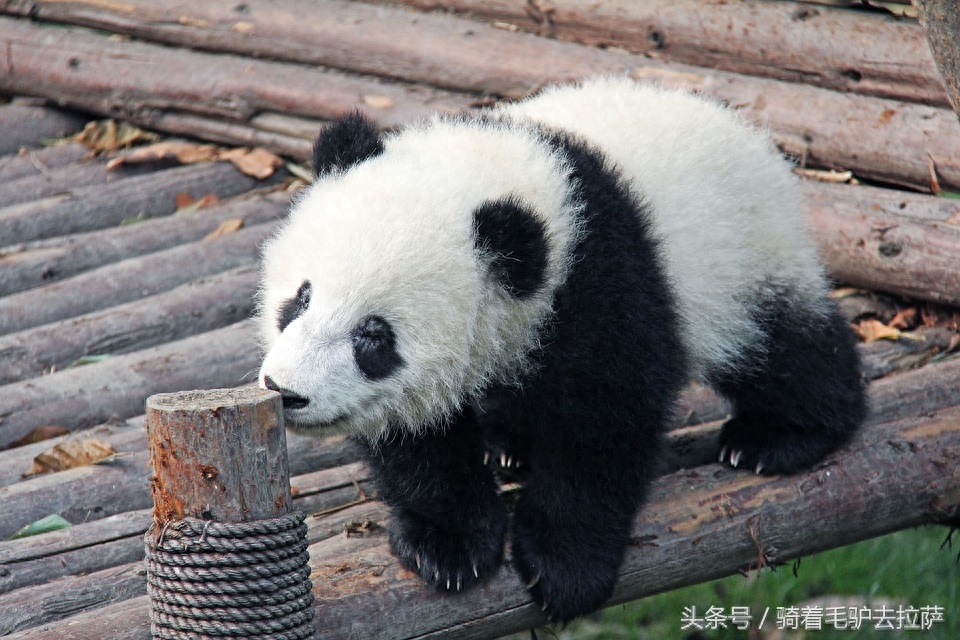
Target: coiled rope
[{"x": 230, "y": 580}]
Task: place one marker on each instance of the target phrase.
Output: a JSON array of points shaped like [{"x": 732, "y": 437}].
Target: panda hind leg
[{"x": 802, "y": 398}]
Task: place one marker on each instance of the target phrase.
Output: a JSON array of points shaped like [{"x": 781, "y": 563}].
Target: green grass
[{"x": 907, "y": 568}]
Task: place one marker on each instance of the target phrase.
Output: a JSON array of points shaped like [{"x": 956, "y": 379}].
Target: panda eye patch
[
  {"x": 375, "y": 348},
  {"x": 295, "y": 306}
]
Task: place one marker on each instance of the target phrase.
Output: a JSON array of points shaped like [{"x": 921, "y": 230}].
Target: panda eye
[
  {"x": 375, "y": 348},
  {"x": 295, "y": 306}
]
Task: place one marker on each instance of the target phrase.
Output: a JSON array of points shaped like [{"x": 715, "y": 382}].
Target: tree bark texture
[
  {"x": 892, "y": 475},
  {"x": 879, "y": 139},
  {"x": 940, "y": 20}
]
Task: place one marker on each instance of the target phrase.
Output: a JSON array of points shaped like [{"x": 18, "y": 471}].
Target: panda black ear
[
  {"x": 346, "y": 142},
  {"x": 513, "y": 239}
]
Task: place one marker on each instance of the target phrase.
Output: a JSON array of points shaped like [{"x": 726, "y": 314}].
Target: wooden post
[{"x": 218, "y": 455}]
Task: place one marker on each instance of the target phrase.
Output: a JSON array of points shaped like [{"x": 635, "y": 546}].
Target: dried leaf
[
  {"x": 379, "y": 102},
  {"x": 187, "y": 204},
  {"x": 257, "y": 162},
  {"x": 872, "y": 330},
  {"x": 300, "y": 171},
  {"x": 230, "y": 225},
  {"x": 53, "y": 522},
  {"x": 71, "y": 454},
  {"x": 182, "y": 152},
  {"x": 844, "y": 292},
  {"x": 831, "y": 176},
  {"x": 40, "y": 434},
  {"x": 905, "y": 319},
  {"x": 108, "y": 135}
]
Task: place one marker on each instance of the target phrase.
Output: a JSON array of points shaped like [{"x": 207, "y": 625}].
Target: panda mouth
[{"x": 291, "y": 401}]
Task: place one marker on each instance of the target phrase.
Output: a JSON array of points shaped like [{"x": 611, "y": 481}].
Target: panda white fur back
[
  {"x": 538, "y": 281},
  {"x": 722, "y": 200}
]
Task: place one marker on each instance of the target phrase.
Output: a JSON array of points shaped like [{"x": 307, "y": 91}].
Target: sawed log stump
[{"x": 227, "y": 554}]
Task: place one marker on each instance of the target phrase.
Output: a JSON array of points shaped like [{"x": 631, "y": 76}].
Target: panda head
[{"x": 418, "y": 268}]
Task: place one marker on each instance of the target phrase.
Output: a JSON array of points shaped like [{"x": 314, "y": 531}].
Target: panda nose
[{"x": 290, "y": 399}]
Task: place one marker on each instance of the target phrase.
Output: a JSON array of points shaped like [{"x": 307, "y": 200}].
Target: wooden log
[
  {"x": 130, "y": 279},
  {"x": 306, "y": 454},
  {"x": 880, "y": 139},
  {"x": 916, "y": 256},
  {"x": 218, "y": 455},
  {"x": 134, "y": 80},
  {"x": 29, "y": 125},
  {"x": 96, "y": 545},
  {"x": 73, "y": 595},
  {"x": 883, "y": 357},
  {"x": 81, "y": 494},
  {"x": 698, "y": 525},
  {"x": 85, "y": 396},
  {"x": 86, "y": 208},
  {"x": 101, "y": 491},
  {"x": 125, "y": 620},
  {"x": 202, "y": 305},
  {"x": 940, "y": 20},
  {"x": 32, "y": 162},
  {"x": 31, "y": 264},
  {"x": 64, "y": 179},
  {"x": 869, "y": 53},
  {"x": 260, "y": 132}
]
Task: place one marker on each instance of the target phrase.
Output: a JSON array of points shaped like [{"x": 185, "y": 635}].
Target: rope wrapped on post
[
  {"x": 227, "y": 554},
  {"x": 236, "y": 580}
]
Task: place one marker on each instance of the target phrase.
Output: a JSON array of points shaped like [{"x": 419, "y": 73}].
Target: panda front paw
[
  {"x": 569, "y": 576},
  {"x": 450, "y": 561}
]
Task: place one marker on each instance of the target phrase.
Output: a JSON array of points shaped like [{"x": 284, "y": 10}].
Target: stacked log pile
[{"x": 110, "y": 291}]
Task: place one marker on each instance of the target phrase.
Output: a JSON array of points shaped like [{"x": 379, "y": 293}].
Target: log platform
[{"x": 120, "y": 280}]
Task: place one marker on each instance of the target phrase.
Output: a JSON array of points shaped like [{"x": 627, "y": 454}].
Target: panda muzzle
[{"x": 290, "y": 399}]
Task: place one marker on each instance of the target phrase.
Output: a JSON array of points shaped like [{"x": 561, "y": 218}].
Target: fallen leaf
[
  {"x": 53, "y": 522},
  {"x": 71, "y": 454},
  {"x": 872, "y": 330},
  {"x": 257, "y": 162},
  {"x": 831, "y": 176},
  {"x": 379, "y": 102},
  {"x": 887, "y": 115},
  {"x": 230, "y": 225},
  {"x": 40, "y": 434},
  {"x": 186, "y": 203},
  {"x": 844, "y": 292},
  {"x": 182, "y": 152},
  {"x": 82, "y": 360},
  {"x": 108, "y": 135},
  {"x": 300, "y": 171},
  {"x": 905, "y": 319}
]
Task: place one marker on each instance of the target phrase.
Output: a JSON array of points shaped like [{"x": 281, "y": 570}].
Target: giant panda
[{"x": 541, "y": 280}]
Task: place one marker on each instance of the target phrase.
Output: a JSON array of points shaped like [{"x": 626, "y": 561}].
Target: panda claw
[
  {"x": 723, "y": 453},
  {"x": 486, "y": 458},
  {"x": 459, "y": 583},
  {"x": 533, "y": 583},
  {"x": 448, "y": 584},
  {"x": 476, "y": 573},
  {"x": 735, "y": 458},
  {"x": 759, "y": 468},
  {"x": 503, "y": 460}
]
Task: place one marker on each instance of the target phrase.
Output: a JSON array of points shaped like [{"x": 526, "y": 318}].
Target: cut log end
[{"x": 218, "y": 455}]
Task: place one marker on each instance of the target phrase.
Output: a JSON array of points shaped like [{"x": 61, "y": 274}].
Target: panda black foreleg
[
  {"x": 573, "y": 520},
  {"x": 447, "y": 522},
  {"x": 801, "y": 399}
]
